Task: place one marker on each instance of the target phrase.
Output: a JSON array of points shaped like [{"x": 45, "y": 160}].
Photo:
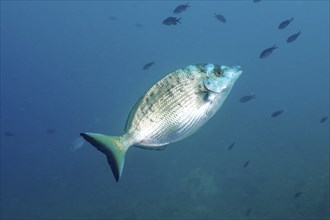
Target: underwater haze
[{"x": 80, "y": 66}]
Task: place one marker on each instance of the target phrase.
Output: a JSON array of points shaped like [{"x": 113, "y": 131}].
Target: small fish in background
[
  {"x": 256, "y": 1},
  {"x": 220, "y": 17},
  {"x": 181, "y": 8},
  {"x": 112, "y": 18},
  {"x": 266, "y": 52},
  {"x": 231, "y": 146},
  {"x": 138, "y": 25},
  {"x": 50, "y": 131},
  {"x": 171, "y": 21},
  {"x": 285, "y": 23},
  {"x": 248, "y": 212},
  {"x": 277, "y": 113},
  {"x": 246, "y": 164},
  {"x": 324, "y": 119},
  {"x": 148, "y": 65},
  {"x": 246, "y": 98},
  {"x": 296, "y": 195},
  {"x": 9, "y": 134},
  {"x": 293, "y": 37}
]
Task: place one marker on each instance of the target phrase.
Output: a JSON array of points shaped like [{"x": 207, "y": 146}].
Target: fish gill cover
[{"x": 68, "y": 67}]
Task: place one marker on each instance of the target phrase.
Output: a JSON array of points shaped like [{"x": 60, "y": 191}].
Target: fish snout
[{"x": 232, "y": 72}]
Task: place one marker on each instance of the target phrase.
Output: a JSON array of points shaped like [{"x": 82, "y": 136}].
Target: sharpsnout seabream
[{"x": 171, "y": 110}]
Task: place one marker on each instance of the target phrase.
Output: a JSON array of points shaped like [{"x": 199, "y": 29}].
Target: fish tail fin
[
  {"x": 114, "y": 147},
  {"x": 275, "y": 46},
  {"x": 291, "y": 19},
  {"x": 178, "y": 20}
]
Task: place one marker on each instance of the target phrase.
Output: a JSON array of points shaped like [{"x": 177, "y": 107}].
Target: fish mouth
[{"x": 232, "y": 72}]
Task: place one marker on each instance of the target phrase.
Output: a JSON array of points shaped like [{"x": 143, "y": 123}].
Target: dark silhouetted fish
[
  {"x": 265, "y": 53},
  {"x": 9, "y": 134},
  {"x": 50, "y": 131},
  {"x": 246, "y": 163},
  {"x": 293, "y": 37},
  {"x": 148, "y": 65},
  {"x": 220, "y": 17},
  {"x": 285, "y": 23},
  {"x": 112, "y": 18},
  {"x": 248, "y": 212},
  {"x": 139, "y": 25},
  {"x": 171, "y": 21},
  {"x": 231, "y": 146},
  {"x": 296, "y": 195},
  {"x": 180, "y": 8},
  {"x": 324, "y": 119},
  {"x": 246, "y": 98},
  {"x": 277, "y": 113},
  {"x": 256, "y": 1}
]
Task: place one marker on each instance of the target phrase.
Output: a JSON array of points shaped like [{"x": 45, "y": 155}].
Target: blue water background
[{"x": 66, "y": 68}]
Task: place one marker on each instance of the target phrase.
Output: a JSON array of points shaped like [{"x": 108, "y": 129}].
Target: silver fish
[{"x": 171, "y": 110}]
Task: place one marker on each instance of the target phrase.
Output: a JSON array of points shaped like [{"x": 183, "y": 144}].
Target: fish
[
  {"x": 9, "y": 134},
  {"x": 246, "y": 163},
  {"x": 285, "y": 23},
  {"x": 246, "y": 98},
  {"x": 256, "y": 1},
  {"x": 112, "y": 18},
  {"x": 181, "y": 8},
  {"x": 148, "y": 65},
  {"x": 171, "y": 110},
  {"x": 220, "y": 17},
  {"x": 266, "y": 52},
  {"x": 293, "y": 37},
  {"x": 324, "y": 119},
  {"x": 296, "y": 195},
  {"x": 50, "y": 131},
  {"x": 231, "y": 146},
  {"x": 171, "y": 21},
  {"x": 277, "y": 113},
  {"x": 248, "y": 212},
  {"x": 138, "y": 25}
]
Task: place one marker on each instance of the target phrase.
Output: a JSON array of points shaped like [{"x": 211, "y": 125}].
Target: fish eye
[{"x": 218, "y": 72}]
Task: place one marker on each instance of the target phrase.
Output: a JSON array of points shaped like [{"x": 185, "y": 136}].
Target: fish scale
[
  {"x": 167, "y": 121},
  {"x": 171, "y": 110}
]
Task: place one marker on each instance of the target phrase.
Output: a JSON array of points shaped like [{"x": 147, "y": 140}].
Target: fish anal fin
[{"x": 160, "y": 148}]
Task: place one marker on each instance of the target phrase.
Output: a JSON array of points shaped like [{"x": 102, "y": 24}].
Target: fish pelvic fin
[{"x": 114, "y": 148}]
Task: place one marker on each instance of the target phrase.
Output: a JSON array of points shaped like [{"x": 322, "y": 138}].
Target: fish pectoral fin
[
  {"x": 203, "y": 96},
  {"x": 113, "y": 147}
]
